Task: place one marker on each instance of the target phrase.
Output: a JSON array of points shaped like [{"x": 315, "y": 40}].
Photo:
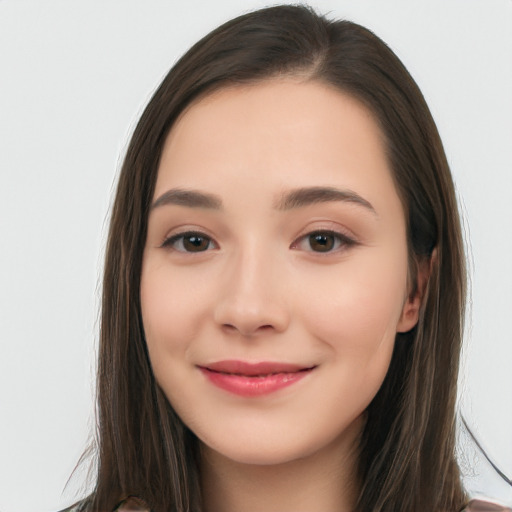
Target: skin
[{"x": 263, "y": 290}]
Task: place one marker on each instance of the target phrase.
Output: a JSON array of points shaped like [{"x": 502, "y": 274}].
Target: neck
[{"x": 324, "y": 481}]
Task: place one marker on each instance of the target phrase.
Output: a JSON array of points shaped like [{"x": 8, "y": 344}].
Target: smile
[{"x": 253, "y": 379}]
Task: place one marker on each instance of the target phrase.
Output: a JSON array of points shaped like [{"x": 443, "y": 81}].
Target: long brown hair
[{"x": 407, "y": 453}]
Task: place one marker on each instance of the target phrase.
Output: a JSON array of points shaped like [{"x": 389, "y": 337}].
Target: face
[{"x": 274, "y": 276}]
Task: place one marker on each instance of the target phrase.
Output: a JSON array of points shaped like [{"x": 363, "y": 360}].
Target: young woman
[{"x": 284, "y": 284}]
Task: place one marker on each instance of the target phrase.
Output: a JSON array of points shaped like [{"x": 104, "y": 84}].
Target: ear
[{"x": 412, "y": 305}]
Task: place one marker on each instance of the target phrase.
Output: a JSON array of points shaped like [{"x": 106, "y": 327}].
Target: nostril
[{"x": 249, "y": 331}]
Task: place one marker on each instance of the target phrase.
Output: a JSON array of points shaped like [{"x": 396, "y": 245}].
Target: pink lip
[{"x": 253, "y": 379}]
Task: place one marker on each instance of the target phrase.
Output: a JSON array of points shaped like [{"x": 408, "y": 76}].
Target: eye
[
  {"x": 190, "y": 241},
  {"x": 323, "y": 242}
]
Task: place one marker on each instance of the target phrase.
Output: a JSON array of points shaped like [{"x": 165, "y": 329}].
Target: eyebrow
[
  {"x": 301, "y": 197},
  {"x": 297, "y": 198},
  {"x": 189, "y": 198}
]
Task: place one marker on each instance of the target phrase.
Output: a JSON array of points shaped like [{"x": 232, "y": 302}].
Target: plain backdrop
[{"x": 74, "y": 77}]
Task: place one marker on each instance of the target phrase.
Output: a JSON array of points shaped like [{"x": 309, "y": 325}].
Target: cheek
[
  {"x": 364, "y": 305},
  {"x": 172, "y": 310},
  {"x": 359, "y": 330}
]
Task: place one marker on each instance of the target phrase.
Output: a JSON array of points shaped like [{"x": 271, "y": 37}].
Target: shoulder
[{"x": 481, "y": 505}]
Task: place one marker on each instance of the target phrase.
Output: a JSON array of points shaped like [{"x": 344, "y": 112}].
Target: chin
[
  {"x": 265, "y": 450},
  {"x": 256, "y": 455}
]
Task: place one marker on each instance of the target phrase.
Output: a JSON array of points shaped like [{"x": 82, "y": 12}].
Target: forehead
[
  {"x": 276, "y": 134},
  {"x": 277, "y": 113}
]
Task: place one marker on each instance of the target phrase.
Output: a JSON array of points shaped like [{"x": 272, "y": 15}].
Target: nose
[{"x": 253, "y": 298}]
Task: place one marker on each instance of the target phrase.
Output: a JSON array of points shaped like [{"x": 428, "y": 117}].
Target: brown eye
[
  {"x": 189, "y": 242},
  {"x": 322, "y": 242},
  {"x": 195, "y": 243}
]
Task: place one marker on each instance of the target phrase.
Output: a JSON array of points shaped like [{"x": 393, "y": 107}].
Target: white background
[{"x": 74, "y": 77}]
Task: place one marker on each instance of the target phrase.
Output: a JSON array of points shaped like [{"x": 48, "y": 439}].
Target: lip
[{"x": 254, "y": 379}]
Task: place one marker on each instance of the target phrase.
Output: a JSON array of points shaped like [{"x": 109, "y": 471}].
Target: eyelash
[
  {"x": 169, "y": 243},
  {"x": 340, "y": 241}
]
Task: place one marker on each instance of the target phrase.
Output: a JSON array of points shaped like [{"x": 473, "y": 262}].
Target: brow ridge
[
  {"x": 306, "y": 196},
  {"x": 189, "y": 198},
  {"x": 297, "y": 198}
]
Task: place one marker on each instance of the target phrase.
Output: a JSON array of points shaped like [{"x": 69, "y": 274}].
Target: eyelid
[
  {"x": 169, "y": 240},
  {"x": 345, "y": 237},
  {"x": 346, "y": 240}
]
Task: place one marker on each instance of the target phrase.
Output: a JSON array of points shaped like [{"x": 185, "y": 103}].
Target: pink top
[
  {"x": 475, "y": 505},
  {"x": 134, "y": 504},
  {"x": 479, "y": 505}
]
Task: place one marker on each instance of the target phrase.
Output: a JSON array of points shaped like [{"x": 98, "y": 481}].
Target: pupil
[
  {"x": 195, "y": 243},
  {"x": 321, "y": 243}
]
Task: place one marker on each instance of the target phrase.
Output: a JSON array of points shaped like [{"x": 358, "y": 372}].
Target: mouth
[{"x": 253, "y": 379}]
